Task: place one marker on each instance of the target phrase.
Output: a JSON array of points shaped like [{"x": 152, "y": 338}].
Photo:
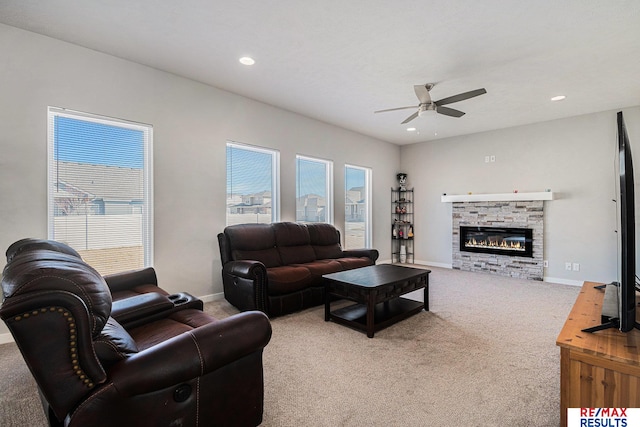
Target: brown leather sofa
[
  {"x": 157, "y": 362},
  {"x": 277, "y": 268}
]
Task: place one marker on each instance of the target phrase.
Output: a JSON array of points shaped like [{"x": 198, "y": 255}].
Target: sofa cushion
[
  {"x": 286, "y": 279},
  {"x": 323, "y": 266},
  {"x": 253, "y": 242},
  {"x": 293, "y": 242},
  {"x": 349, "y": 263},
  {"x": 325, "y": 240},
  {"x": 269, "y": 257},
  {"x": 147, "y": 335},
  {"x": 327, "y": 251}
]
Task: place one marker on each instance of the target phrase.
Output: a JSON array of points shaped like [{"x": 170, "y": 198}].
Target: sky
[
  {"x": 84, "y": 141},
  {"x": 250, "y": 172}
]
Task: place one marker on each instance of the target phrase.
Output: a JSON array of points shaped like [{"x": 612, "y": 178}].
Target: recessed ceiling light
[
  {"x": 411, "y": 129},
  {"x": 246, "y": 60},
  {"x": 558, "y": 98}
]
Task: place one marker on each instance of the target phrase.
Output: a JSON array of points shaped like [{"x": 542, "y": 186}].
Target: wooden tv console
[{"x": 600, "y": 369}]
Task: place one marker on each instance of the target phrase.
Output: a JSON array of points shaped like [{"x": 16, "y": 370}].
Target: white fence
[
  {"x": 248, "y": 218},
  {"x": 99, "y": 231}
]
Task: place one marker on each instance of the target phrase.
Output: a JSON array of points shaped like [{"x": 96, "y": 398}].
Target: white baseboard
[
  {"x": 419, "y": 262},
  {"x": 6, "y": 338},
  {"x": 563, "y": 281},
  {"x": 212, "y": 297},
  {"x": 434, "y": 264},
  {"x": 450, "y": 266},
  {"x": 545, "y": 278}
]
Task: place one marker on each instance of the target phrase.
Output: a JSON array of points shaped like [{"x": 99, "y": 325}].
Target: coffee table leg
[
  {"x": 426, "y": 295},
  {"x": 371, "y": 308},
  {"x": 327, "y": 308}
]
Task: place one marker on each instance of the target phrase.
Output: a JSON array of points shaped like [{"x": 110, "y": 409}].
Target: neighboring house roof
[{"x": 103, "y": 182}]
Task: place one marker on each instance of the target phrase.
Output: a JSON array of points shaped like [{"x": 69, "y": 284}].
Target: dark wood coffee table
[{"x": 376, "y": 290}]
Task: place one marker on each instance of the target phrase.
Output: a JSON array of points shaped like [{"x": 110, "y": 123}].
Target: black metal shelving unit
[{"x": 402, "y": 229}]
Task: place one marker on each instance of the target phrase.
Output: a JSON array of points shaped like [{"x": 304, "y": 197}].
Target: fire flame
[{"x": 509, "y": 246}]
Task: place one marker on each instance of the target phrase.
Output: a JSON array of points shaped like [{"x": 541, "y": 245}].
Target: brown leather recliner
[{"x": 161, "y": 366}]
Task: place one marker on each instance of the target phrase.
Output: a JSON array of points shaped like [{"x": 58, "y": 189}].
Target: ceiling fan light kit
[{"x": 427, "y": 104}]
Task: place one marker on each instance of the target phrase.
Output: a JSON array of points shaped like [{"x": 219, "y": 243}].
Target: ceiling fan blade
[
  {"x": 411, "y": 117},
  {"x": 461, "y": 97},
  {"x": 422, "y": 93},
  {"x": 449, "y": 111},
  {"x": 394, "y": 109}
]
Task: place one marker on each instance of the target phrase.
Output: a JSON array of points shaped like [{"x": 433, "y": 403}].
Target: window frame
[
  {"x": 329, "y": 197},
  {"x": 368, "y": 208},
  {"x": 275, "y": 176},
  {"x": 148, "y": 213}
]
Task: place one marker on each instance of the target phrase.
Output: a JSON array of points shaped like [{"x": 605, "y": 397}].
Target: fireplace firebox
[{"x": 497, "y": 240}]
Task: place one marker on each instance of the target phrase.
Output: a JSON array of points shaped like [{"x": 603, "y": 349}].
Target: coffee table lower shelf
[{"x": 385, "y": 314}]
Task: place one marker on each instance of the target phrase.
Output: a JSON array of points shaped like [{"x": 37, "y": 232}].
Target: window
[
  {"x": 99, "y": 187},
  {"x": 314, "y": 185},
  {"x": 357, "y": 207},
  {"x": 252, "y": 184}
]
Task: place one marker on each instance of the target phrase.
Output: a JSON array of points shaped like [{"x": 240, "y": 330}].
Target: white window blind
[
  {"x": 252, "y": 184},
  {"x": 99, "y": 182},
  {"x": 357, "y": 207},
  {"x": 314, "y": 185}
]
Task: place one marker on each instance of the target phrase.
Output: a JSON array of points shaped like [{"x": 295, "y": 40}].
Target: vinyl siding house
[{"x": 88, "y": 189}]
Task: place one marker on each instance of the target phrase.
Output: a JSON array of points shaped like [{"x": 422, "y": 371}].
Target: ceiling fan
[{"x": 427, "y": 104}]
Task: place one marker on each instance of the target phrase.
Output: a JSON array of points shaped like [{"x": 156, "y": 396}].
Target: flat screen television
[
  {"x": 621, "y": 296},
  {"x": 627, "y": 287}
]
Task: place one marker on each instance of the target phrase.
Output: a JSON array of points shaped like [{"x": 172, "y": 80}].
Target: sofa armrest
[
  {"x": 245, "y": 284},
  {"x": 130, "y": 279},
  {"x": 192, "y": 354},
  {"x": 247, "y": 269},
  {"x": 369, "y": 253}
]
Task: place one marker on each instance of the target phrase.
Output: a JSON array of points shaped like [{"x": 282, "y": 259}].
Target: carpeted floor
[{"x": 484, "y": 355}]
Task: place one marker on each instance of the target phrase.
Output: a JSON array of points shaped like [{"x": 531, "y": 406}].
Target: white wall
[
  {"x": 191, "y": 123},
  {"x": 574, "y": 157}
]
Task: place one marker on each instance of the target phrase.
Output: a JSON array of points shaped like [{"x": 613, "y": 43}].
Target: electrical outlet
[
  {"x": 576, "y": 266},
  {"x": 567, "y": 266},
  {"x": 493, "y": 159},
  {"x": 545, "y": 263},
  {"x": 486, "y": 159}
]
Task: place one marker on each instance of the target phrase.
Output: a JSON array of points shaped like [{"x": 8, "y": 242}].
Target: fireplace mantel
[{"x": 497, "y": 197}]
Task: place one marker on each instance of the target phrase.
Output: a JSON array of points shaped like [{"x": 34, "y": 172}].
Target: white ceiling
[{"x": 339, "y": 60}]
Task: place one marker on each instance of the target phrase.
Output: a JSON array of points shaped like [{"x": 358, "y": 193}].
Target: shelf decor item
[{"x": 402, "y": 180}]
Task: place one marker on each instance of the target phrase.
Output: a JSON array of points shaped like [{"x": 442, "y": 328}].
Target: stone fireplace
[{"x": 499, "y": 237}]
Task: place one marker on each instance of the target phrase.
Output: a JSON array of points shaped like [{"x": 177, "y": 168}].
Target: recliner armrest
[
  {"x": 369, "y": 253},
  {"x": 129, "y": 309},
  {"x": 192, "y": 354},
  {"x": 130, "y": 279}
]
